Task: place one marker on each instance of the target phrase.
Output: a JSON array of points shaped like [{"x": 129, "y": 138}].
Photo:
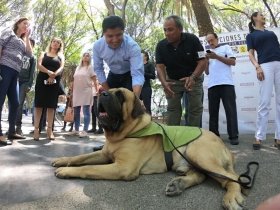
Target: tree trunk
[
  {"x": 271, "y": 13},
  {"x": 202, "y": 17},
  {"x": 110, "y": 7}
]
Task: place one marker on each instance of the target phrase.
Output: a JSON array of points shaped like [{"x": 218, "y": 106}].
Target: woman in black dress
[{"x": 50, "y": 64}]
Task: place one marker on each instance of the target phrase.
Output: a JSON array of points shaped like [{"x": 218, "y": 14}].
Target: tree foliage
[
  {"x": 234, "y": 16},
  {"x": 78, "y": 22},
  {"x": 13, "y": 9},
  {"x": 66, "y": 20}
]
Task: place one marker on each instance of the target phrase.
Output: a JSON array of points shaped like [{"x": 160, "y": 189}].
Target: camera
[{"x": 208, "y": 51}]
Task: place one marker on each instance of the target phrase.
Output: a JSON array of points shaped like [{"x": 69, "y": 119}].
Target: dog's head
[{"x": 119, "y": 111}]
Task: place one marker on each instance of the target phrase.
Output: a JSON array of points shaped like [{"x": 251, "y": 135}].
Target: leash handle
[{"x": 247, "y": 185}]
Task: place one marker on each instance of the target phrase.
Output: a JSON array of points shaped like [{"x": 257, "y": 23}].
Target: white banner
[{"x": 246, "y": 87}]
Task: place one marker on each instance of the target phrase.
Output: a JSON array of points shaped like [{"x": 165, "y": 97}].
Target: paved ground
[{"x": 27, "y": 179}]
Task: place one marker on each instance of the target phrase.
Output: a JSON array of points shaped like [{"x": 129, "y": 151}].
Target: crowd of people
[{"x": 180, "y": 63}]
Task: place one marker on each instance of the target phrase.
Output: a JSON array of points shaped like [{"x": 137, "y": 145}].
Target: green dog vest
[{"x": 179, "y": 135}]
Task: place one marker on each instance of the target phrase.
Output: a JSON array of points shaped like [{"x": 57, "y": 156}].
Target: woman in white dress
[{"x": 82, "y": 93}]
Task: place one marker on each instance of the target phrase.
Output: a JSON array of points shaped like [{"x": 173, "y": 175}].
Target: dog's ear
[{"x": 137, "y": 108}]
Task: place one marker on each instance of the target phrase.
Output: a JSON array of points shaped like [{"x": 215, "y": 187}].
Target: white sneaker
[
  {"x": 83, "y": 134},
  {"x": 73, "y": 133}
]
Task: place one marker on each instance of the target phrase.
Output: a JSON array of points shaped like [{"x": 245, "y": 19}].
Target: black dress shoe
[
  {"x": 91, "y": 130},
  {"x": 16, "y": 136},
  {"x": 7, "y": 142},
  {"x": 256, "y": 146},
  {"x": 99, "y": 132},
  {"x": 234, "y": 141},
  {"x": 98, "y": 148}
]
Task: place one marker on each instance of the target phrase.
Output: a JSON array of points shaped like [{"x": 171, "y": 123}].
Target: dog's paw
[
  {"x": 63, "y": 172},
  {"x": 64, "y": 161},
  {"x": 175, "y": 187},
  {"x": 233, "y": 201}
]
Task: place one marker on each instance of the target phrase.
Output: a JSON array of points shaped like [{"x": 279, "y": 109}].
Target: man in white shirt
[{"x": 221, "y": 86}]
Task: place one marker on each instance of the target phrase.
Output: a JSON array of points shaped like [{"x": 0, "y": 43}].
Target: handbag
[{"x": 69, "y": 114}]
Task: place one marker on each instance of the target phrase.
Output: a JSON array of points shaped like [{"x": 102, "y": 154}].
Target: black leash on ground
[{"x": 247, "y": 185}]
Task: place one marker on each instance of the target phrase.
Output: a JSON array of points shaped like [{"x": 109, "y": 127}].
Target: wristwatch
[{"x": 194, "y": 77}]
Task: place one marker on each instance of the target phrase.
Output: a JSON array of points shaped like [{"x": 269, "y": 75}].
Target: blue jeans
[
  {"x": 9, "y": 106},
  {"x": 86, "y": 111},
  {"x": 22, "y": 95},
  {"x": 8, "y": 86}
]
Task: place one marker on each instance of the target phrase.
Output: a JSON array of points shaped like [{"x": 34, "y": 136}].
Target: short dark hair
[
  {"x": 32, "y": 41},
  {"x": 214, "y": 34},
  {"x": 112, "y": 22},
  {"x": 146, "y": 54}
]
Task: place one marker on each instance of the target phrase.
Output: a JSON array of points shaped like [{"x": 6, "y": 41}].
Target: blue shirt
[
  {"x": 266, "y": 44},
  {"x": 126, "y": 58}
]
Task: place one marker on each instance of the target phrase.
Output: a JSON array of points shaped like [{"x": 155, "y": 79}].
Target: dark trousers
[
  {"x": 146, "y": 96},
  {"x": 227, "y": 94},
  {"x": 8, "y": 87},
  {"x": 22, "y": 95},
  {"x": 120, "y": 80},
  {"x": 94, "y": 114}
]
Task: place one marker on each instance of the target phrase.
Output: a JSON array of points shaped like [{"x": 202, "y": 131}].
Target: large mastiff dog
[{"x": 124, "y": 158}]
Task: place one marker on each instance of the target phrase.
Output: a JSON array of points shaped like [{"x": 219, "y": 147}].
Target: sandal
[{"x": 50, "y": 133}]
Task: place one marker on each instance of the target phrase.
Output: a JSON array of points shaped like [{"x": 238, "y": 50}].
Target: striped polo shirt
[{"x": 13, "y": 49}]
